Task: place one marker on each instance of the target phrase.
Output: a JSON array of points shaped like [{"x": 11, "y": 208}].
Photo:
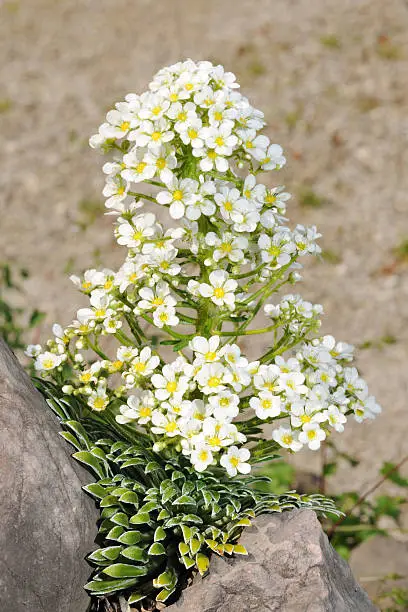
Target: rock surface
[
  {"x": 47, "y": 522},
  {"x": 291, "y": 567},
  {"x": 379, "y": 557}
]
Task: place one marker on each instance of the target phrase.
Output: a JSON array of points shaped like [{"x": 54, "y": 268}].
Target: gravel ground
[{"x": 331, "y": 78}]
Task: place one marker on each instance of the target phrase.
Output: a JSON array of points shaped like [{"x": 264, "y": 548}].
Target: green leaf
[
  {"x": 135, "y": 597},
  {"x": 159, "y": 534},
  {"x": 123, "y": 570},
  {"x": 152, "y": 466},
  {"x": 109, "y": 500},
  {"x": 129, "y": 498},
  {"x": 95, "y": 490},
  {"x": 187, "y": 532},
  {"x": 395, "y": 476},
  {"x": 89, "y": 460},
  {"x": 188, "y": 561},
  {"x": 203, "y": 563},
  {"x": 115, "y": 533},
  {"x": 195, "y": 546},
  {"x": 163, "y": 514},
  {"x": 111, "y": 552},
  {"x": 176, "y": 475},
  {"x": 184, "y": 500},
  {"x": 120, "y": 518},
  {"x": 164, "y": 594},
  {"x": 97, "y": 556},
  {"x": 240, "y": 550},
  {"x": 71, "y": 439},
  {"x": 165, "y": 579},
  {"x": 140, "y": 518},
  {"x": 103, "y": 587},
  {"x": 168, "y": 494},
  {"x": 134, "y": 461},
  {"x": 192, "y": 518},
  {"x": 130, "y": 537},
  {"x": 79, "y": 431},
  {"x": 135, "y": 553},
  {"x": 156, "y": 549},
  {"x": 149, "y": 507},
  {"x": 184, "y": 548},
  {"x": 36, "y": 317}
]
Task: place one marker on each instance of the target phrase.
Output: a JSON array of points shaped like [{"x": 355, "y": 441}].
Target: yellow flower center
[
  {"x": 218, "y": 116},
  {"x": 203, "y": 455},
  {"x": 287, "y": 439},
  {"x": 219, "y": 141},
  {"x": 163, "y": 317},
  {"x": 214, "y": 441},
  {"x": 173, "y": 97},
  {"x": 270, "y": 198},
  {"x": 192, "y": 133},
  {"x": 145, "y": 411},
  {"x": 311, "y": 434},
  {"x": 171, "y": 386},
  {"x": 266, "y": 404},
  {"x": 182, "y": 116},
  {"x": 274, "y": 250},
  {"x": 48, "y": 364},
  {"x": 170, "y": 427},
  {"x": 124, "y": 126},
  {"x": 157, "y": 301},
  {"x": 99, "y": 403},
  {"x": 234, "y": 461},
  {"x": 85, "y": 377},
  {"x": 156, "y": 136},
  {"x": 188, "y": 86},
  {"x": 228, "y": 206},
  {"x": 212, "y": 154},
  {"x": 139, "y": 366},
  {"x": 226, "y": 247},
  {"x": 120, "y": 190},
  {"x": 100, "y": 312},
  {"x": 219, "y": 292},
  {"x": 249, "y": 144},
  {"x": 305, "y": 418},
  {"x": 214, "y": 381},
  {"x": 156, "y": 110},
  {"x": 138, "y": 235},
  {"x": 140, "y": 167},
  {"x": 178, "y": 195},
  {"x": 86, "y": 285},
  {"x": 224, "y": 402},
  {"x": 210, "y": 356},
  {"x": 161, "y": 163}
]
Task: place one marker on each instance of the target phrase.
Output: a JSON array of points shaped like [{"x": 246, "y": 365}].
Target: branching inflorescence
[{"x": 191, "y": 145}]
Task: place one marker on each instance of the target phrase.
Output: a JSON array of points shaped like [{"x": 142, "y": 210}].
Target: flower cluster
[{"x": 192, "y": 145}]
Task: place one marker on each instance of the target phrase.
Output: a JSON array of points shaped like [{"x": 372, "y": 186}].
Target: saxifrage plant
[{"x": 149, "y": 381}]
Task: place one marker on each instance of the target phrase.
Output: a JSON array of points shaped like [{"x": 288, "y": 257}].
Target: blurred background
[{"x": 331, "y": 78}]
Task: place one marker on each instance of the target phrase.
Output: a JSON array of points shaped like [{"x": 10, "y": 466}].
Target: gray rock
[
  {"x": 47, "y": 522},
  {"x": 379, "y": 557},
  {"x": 291, "y": 567}
]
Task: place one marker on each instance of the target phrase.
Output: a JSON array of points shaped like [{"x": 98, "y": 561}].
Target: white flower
[
  {"x": 179, "y": 195},
  {"x": 302, "y": 413},
  {"x": 266, "y": 405},
  {"x": 205, "y": 350},
  {"x": 277, "y": 248},
  {"x": 33, "y": 350},
  {"x": 335, "y": 418},
  {"x": 220, "y": 138},
  {"x": 156, "y": 297},
  {"x": 230, "y": 246},
  {"x": 169, "y": 384},
  {"x": 136, "y": 169},
  {"x": 232, "y": 355},
  {"x": 292, "y": 383},
  {"x": 224, "y": 406},
  {"x": 163, "y": 163},
  {"x": 145, "y": 363},
  {"x": 152, "y": 134},
  {"x": 132, "y": 234},
  {"x": 215, "y": 435},
  {"x": 220, "y": 290},
  {"x": 98, "y": 400},
  {"x": 211, "y": 159},
  {"x": 47, "y": 361},
  {"x": 234, "y": 461},
  {"x": 138, "y": 408},
  {"x": 228, "y": 201},
  {"x": 165, "y": 424},
  {"x": 254, "y": 144},
  {"x": 112, "y": 324},
  {"x": 116, "y": 190},
  {"x": 190, "y": 133},
  {"x": 165, "y": 315},
  {"x": 286, "y": 438},
  {"x": 213, "y": 377},
  {"x": 201, "y": 457},
  {"x": 273, "y": 158},
  {"x": 312, "y": 435}
]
